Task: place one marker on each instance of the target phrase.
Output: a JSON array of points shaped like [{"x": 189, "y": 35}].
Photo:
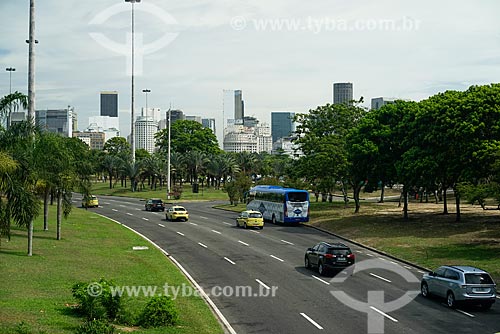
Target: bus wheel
[{"x": 274, "y": 219}]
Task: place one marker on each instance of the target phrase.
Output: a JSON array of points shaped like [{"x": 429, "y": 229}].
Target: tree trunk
[
  {"x": 445, "y": 202},
  {"x": 46, "y": 209},
  {"x": 382, "y": 191},
  {"x": 30, "y": 239},
  {"x": 110, "y": 181},
  {"x": 59, "y": 214},
  {"x": 357, "y": 190},
  {"x": 405, "y": 204},
  {"x": 457, "y": 204}
]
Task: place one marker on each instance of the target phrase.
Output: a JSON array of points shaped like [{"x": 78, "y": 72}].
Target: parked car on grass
[
  {"x": 90, "y": 201},
  {"x": 460, "y": 284},
  {"x": 154, "y": 204},
  {"x": 250, "y": 218},
  {"x": 328, "y": 256},
  {"x": 177, "y": 212}
]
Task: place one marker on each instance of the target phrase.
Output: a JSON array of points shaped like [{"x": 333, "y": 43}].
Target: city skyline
[{"x": 280, "y": 68}]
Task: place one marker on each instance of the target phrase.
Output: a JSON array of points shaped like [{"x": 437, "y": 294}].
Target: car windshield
[
  {"x": 156, "y": 201},
  {"x": 179, "y": 209},
  {"x": 478, "y": 279},
  {"x": 255, "y": 215},
  {"x": 339, "y": 251}
]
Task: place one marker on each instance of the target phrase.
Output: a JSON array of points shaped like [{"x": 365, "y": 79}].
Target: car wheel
[
  {"x": 424, "y": 289},
  {"x": 237, "y": 224},
  {"x": 245, "y": 226},
  {"x": 307, "y": 264},
  {"x": 274, "y": 219},
  {"x": 261, "y": 227},
  {"x": 321, "y": 269},
  {"x": 450, "y": 300}
]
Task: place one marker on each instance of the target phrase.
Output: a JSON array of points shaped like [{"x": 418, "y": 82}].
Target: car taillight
[
  {"x": 350, "y": 256},
  {"x": 329, "y": 256}
]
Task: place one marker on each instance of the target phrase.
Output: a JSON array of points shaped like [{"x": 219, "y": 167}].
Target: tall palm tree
[
  {"x": 11, "y": 103},
  {"x": 111, "y": 164},
  {"x": 195, "y": 161}
]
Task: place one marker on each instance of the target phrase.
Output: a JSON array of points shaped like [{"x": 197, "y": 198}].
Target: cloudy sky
[{"x": 283, "y": 54}]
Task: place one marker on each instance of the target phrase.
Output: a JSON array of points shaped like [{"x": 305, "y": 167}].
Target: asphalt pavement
[{"x": 258, "y": 281}]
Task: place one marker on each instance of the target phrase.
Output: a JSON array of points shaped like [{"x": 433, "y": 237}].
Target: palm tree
[
  {"x": 195, "y": 161},
  {"x": 110, "y": 164},
  {"x": 246, "y": 161},
  {"x": 133, "y": 171},
  {"x": 11, "y": 103}
]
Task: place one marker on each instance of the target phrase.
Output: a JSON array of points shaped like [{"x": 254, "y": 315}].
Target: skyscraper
[
  {"x": 282, "y": 124},
  {"x": 209, "y": 123},
  {"x": 109, "y": 104},
  {"x": 239, "y": 105},
  {"x": 378, "y": 102},
  {"x": 342, "y": 93},
  {"x": 57, "y": 121}
]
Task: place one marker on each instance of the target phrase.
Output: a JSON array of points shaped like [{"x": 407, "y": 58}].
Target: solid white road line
[
  {"x": 194, "y": 224},
  {"x": 311, "y": 321},
  {"x": 202, "y": 245},
  {"x": 203, "y": 217},
  {"x": 145, "y": 219},
  {"x": 161, "y": 225},
  {"x": 243, "y": 243},
  {"x": 277, "y": 258},
  {"x": 216, "y": 232},
  {"x": 227, "y": 223},
  {"x": 114, "y": 210},
  {"x": 380, "y": 277},
  {"x": 263, "y": 284},
  {"x": 321, "y": 280},
  {"x": 129, "y": 214},
  {"x": 229, "y": 260},
  {"x": 287, "y": 242},
  {"x": 463, "y": 312},
  {"x": 384, "y": 314},
  {"x": 179, "y": 233}
]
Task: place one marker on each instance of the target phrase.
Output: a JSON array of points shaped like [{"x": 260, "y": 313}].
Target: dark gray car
[{"x": 460, "y": 284}]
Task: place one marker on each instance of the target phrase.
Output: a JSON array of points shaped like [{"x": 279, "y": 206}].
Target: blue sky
[{"x": 283, "y": 54}]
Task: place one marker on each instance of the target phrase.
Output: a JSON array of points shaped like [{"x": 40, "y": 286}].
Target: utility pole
[
  {"x": 31, "y": 66},
  {"x": 168, "y": 151}
]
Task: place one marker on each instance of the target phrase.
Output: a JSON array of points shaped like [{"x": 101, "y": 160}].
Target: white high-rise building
[
  {"x": 145, "y": 130},
  {"x": 254, "y": 139}
]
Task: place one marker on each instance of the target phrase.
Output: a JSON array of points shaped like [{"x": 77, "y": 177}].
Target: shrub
[
  {"x": 23, "y": 328},
  {"x": 95, "y": 326},
  {"x": 96, "y": 300},
  {"x": 159, "y": 311}
]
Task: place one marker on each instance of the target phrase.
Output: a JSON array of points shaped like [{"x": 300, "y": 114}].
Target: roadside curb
[
  {"x": 368, "y": 247},
  {"x": 226, "y": 326}
]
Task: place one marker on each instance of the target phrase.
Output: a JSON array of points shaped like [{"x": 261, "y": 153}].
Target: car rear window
[
  {"x": 255, "y": 215},
  {"x": 156, "y": 201},
  {"x": 478, "y": 279},
  {"x": 339, "y": 251},
  {"x": 179, "y": 209},
  {"x": 297, "y": 196}
]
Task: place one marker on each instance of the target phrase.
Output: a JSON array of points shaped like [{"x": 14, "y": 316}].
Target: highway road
[{"x": 219, "y": 256}]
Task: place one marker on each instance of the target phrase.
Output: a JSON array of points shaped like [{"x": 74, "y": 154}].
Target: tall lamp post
[
  {"x": 132, "y": 114},
  {"x": 168, "y": 153},
  {"x": 10, "y": 70},
  {"x": 146, "y": 91}
]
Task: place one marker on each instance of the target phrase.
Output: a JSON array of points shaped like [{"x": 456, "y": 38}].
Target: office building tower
[
  {"x": 342, "y": 93},
  {"x": 145, "y": 130},
  {"x": 239, "y": 107},
  {"x": 194, "y": 118},
  {"x": 94, "y": 139},
  {"x": 209, "y": 123},
  {"x": 282, "y": 124},
  {"x": 57, "y": 121},
  {"x": 109, "y": 104},
  {"x": 378, "y": 102},
  {"x": 253, "y": 139}
]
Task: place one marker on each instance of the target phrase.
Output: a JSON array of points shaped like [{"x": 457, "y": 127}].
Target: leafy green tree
[
  {"x": 188, "y": 136},
  {"x": 117, "y": 146},
  {"x": 11, "y": 103}
]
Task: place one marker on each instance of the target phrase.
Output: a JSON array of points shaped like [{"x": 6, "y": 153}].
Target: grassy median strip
[{"x": 37, "y": 290}]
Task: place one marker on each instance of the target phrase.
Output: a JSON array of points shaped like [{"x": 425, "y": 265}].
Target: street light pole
[
  {"x": 10, "y": 70},
  {"x": 31, "y": 68},
  {"x": 132, "y": 114},
  {"x": 168, "y": 153},
  {"x": 146, "y": 91}
]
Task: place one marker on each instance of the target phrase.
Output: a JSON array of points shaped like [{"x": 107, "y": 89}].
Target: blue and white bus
[{"x": 278, "y": 204}]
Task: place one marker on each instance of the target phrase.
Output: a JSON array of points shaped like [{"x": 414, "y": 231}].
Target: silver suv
[{"x": 460, "y": 284}]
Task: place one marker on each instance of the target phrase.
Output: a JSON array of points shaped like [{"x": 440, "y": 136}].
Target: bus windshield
[{"x": 297, "y": 196}]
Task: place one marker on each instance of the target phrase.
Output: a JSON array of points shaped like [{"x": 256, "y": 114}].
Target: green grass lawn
[
  {"x": 205, "y": 193},
  {"x": 37, "y": 289}
]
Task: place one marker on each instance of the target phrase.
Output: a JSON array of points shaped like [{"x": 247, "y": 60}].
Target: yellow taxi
[
  {"x": 250, "y": 218},
  {"x": 90, "y": 201},
  {"x": 177, "y": 212}
]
